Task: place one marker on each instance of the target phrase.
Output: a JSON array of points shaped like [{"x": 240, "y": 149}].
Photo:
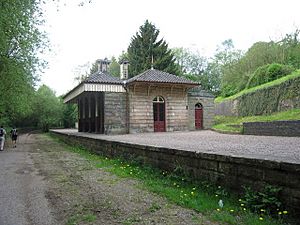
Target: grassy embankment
[
  {"x": 202, "y": 196},
  {"x": 233, "y": 124}
]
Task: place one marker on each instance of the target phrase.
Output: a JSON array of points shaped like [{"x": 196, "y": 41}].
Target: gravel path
[
  {"x": 282, "y": 149},
  {"x": 22, "y": 189},
  {"x": 41, "y": 183}
]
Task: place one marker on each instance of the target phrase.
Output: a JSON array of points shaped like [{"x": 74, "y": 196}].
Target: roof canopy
[
  {"x": 157, "y": 76},
  {"x": 104, "y": 82}
]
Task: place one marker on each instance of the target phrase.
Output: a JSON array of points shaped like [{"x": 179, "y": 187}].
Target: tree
[
  {"x": 144, "y": 47},
  {"x": 48, "y": 109},
  {"x": 20, "y": 43},
  {"x": 114, "y": 67}
]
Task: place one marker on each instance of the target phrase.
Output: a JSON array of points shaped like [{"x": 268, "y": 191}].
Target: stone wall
[
  {"x": 280, "y": 97},
  {"x": 228, "y": 171},
  {"x": 275, "y": 128},
  {"x": 141, "y": 107},
  {"x": 115, "y": 113},
  {"x": 195, "y": 96}
]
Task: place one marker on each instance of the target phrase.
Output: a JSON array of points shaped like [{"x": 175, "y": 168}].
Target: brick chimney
[
  {"x": 124, "y": 69},
  {"x": 103, "y": 65}
]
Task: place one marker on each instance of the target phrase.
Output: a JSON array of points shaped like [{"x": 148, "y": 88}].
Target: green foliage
[
  {"x": 262, "y": 202},
  {"x": 195, "y": 67},
  {"x": 249, "y": 69},
  {"x": 48, "y": 109},
  {"x": 20, "y": 43},
  {"x": 145, "y": 45},
  {"x": 267, "y": 73},
  {"x": 70, "y": 115},
  {"x": 114, "y": 67}
]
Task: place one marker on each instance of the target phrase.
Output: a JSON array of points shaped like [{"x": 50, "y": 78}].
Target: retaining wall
[
  {"x": 231, "y": 172},
  {"x": 274, "y": 128}
]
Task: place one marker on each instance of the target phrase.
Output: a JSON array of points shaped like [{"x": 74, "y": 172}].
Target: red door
[
  {"x": 198, "y": 116},
  {"x": 159, "y": 114}
]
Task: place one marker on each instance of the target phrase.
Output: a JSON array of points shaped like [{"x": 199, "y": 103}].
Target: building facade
[{"x": 153, "y": 101}]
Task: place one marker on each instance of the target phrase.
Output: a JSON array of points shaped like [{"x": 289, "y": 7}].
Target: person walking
[
  {"x": 14, "y": 136},
  {"x": 2, "y": 137}
]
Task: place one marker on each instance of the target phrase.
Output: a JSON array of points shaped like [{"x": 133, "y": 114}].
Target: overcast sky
[{"x": 104, "y": 28}]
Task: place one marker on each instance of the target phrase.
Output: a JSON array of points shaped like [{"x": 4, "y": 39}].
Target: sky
[{"x": 80, "y": 35}]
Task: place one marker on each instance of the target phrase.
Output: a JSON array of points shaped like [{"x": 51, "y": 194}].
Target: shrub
[{"x": 268, "y": 73}]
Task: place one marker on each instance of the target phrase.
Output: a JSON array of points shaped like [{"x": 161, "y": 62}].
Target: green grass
[
  {"x": 294, "y": 75},
  {"x": 233, "y": 124},
  {"x": 202, "y": 196}
]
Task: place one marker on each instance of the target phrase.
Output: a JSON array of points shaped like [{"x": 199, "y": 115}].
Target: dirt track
[{"x": 41, "y": 183}]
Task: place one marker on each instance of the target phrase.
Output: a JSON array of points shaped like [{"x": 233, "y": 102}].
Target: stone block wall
[
  {"x": 208, "y": 110},
  {"x": 141, "y": 107},
  {"x": 115, "y": 113},
  {"x": 274, "y": 128},
  {"x": 228, "y": 171}
]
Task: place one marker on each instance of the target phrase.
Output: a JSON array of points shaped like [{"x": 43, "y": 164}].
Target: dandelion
[
  {"x": 261, "y": 218},
  {"x": 130, "y": 172},
  {"x": 240, "y": 200},
  {"x": 194, "y": 188},
  {"x": 231, "y": 210},
  {"x": 279, "y": 213},
  {"x": 244, "y": 209},
  {"x": 192, "y": 193},
  {"x": 242, "y": 204},
  {"x": 218, "y": 210},
  {"x": 285, "y": 212},
  {"x": 216, "y": 195},
  {"x": 262, "y": 210},
  {"x": 185, "y": 195}
]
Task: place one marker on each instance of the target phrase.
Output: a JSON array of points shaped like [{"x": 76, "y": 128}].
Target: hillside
[{"x": 276, "y": 96}]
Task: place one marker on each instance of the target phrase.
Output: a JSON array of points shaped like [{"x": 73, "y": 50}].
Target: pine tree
[{"x": 144, "y": 45}]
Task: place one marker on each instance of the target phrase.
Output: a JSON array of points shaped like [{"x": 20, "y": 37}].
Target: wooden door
[
  {"x": 159, "y": 114},
  {"x": 198, "y": 116}
]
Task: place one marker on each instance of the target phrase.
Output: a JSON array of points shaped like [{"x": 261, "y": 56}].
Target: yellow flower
[
  {"x": 218, "y": 210},
  {"x": 262, "y": 210},
  {"x": 192, "y": 193},
  {"x": 242, "y": 204},
  {"x": 217, "y": 195},
  {"x": 285, "y": 212},
  {"x": 231, "y": 210},
  {"x": 244, "y": 209},
  {"x": 194, "y": 188},
  {"x": 240, "y": 200},
  {"x": 185, "y": 194},
  {"x": 260, "y": 218},
  {"x": 279, "y": 213}
]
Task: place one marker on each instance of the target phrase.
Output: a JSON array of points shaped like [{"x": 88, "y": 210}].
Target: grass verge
[
  {"x": 233, "y": 124},
  {"x": 200, "y": 196}
]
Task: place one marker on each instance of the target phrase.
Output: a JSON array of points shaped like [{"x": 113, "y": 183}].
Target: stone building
[{"x": 153, "y": 101}]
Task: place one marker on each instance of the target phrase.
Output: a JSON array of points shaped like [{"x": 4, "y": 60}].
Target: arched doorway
[
  {"x": 198, "y": 116},
  {"x": 159, "y": 114}
]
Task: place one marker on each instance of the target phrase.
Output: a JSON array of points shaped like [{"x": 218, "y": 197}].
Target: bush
[{"x": 268, "y": 73}]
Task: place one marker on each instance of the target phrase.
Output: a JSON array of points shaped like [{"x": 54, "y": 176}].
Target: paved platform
[{"x": 280, "y": 149}]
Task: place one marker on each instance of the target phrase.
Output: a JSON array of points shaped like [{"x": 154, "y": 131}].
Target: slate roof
[
  {"x": 158, "y": 76},
  {"x": 103, "y": 78}
]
